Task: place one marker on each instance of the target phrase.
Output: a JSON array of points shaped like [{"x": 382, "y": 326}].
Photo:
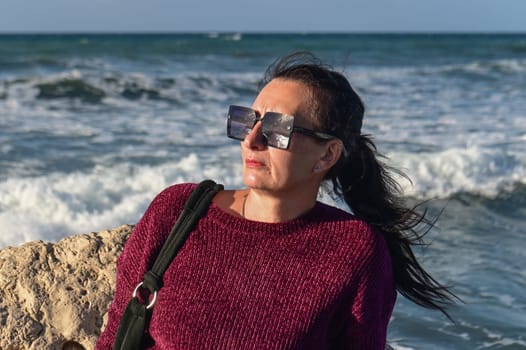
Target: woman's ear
[{"x": 332, "y": 152}]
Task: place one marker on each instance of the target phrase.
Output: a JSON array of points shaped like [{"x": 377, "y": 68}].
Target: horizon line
[{"x": 262, "y": 32}]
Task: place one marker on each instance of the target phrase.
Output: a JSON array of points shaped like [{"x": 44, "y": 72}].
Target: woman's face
[{"x": 276, "y": 170}]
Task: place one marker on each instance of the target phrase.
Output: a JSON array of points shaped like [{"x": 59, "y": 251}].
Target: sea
[{"x": 93, "y": 126}]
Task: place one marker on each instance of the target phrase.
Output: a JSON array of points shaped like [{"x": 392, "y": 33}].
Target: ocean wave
[
  {"x": 509, "y": 202},
  {"x": 478, "y": 170},
  {"x": 52, "y": 206},
  {"x": 95, "y": 89},
  {"x": 488, "y": 69},
  {"x": 492, "y": 69},
  {"x": 70, "y": 88}
]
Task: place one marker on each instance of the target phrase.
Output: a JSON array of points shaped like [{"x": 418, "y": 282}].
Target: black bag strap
[
  {"x": 194, "y": 208},
  {"x": 136, "y": 316}
]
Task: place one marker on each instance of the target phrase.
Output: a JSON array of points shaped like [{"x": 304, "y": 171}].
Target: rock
[{"x": 56, "y": 295}]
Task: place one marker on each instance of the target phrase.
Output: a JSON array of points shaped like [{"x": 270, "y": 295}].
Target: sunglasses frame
[{"x": 287, "y": 132}]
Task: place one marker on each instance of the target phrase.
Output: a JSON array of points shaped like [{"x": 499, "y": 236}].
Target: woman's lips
[{"x": 252, "y": 163}]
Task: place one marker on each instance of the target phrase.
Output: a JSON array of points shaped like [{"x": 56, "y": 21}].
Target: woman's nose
[{"x": 255, "y": 138}]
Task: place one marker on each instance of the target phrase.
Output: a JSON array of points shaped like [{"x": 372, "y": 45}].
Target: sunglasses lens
[
  {"x": 240, "y": 122},
  {"x": 277, "y": 128}
]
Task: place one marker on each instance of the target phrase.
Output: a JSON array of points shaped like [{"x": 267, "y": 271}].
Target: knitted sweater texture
[{"x": 321, "y": 281}]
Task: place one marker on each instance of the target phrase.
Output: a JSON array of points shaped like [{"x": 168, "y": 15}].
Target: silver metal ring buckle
[{"x": 152, "y": 302}]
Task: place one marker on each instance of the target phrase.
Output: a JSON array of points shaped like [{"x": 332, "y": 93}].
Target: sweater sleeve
[
  {"x": 139, "y": 252},
  {"x": 372, "y": 296}
]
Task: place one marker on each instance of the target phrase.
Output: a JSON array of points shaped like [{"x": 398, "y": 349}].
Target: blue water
[{"x": 93, "y": 126}]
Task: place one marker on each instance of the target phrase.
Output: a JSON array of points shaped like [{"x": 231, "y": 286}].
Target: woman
[{"x": 269, "y": 267}]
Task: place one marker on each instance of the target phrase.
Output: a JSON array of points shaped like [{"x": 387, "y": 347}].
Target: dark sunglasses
[{"x": 276, "y": 128}]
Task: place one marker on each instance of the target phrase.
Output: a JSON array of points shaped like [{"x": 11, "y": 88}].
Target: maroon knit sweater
[{"x": 321, "y": 281}]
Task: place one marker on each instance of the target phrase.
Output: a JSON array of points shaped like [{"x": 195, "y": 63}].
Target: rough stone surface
[{"x": 55, "y": 295}]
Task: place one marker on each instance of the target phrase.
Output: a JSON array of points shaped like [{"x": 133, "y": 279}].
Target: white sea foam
[
  {"x": 493, "y": 66},
  {"x": 51, "y": 207},
  {"x": 396, "y": 346},
  {"x": 58, "y": 204},
  {"x": 478, "y": 170}
]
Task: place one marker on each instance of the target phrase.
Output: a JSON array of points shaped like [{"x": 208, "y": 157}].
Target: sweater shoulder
[
  {"x": 156, "y": 223},
  {"x": 174, "y": 195},
  {"x": 349, "y": 226},
  {"x": 361, "y": 237}
]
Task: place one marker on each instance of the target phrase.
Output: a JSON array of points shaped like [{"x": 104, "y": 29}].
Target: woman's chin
[{"x": 253, "y": 180}]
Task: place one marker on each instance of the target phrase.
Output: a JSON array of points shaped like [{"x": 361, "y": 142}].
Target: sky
[{"x": 38, "y": 16}]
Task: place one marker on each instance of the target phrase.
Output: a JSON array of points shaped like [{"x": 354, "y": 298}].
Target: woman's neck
[{"x": 267, "y": 207}]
